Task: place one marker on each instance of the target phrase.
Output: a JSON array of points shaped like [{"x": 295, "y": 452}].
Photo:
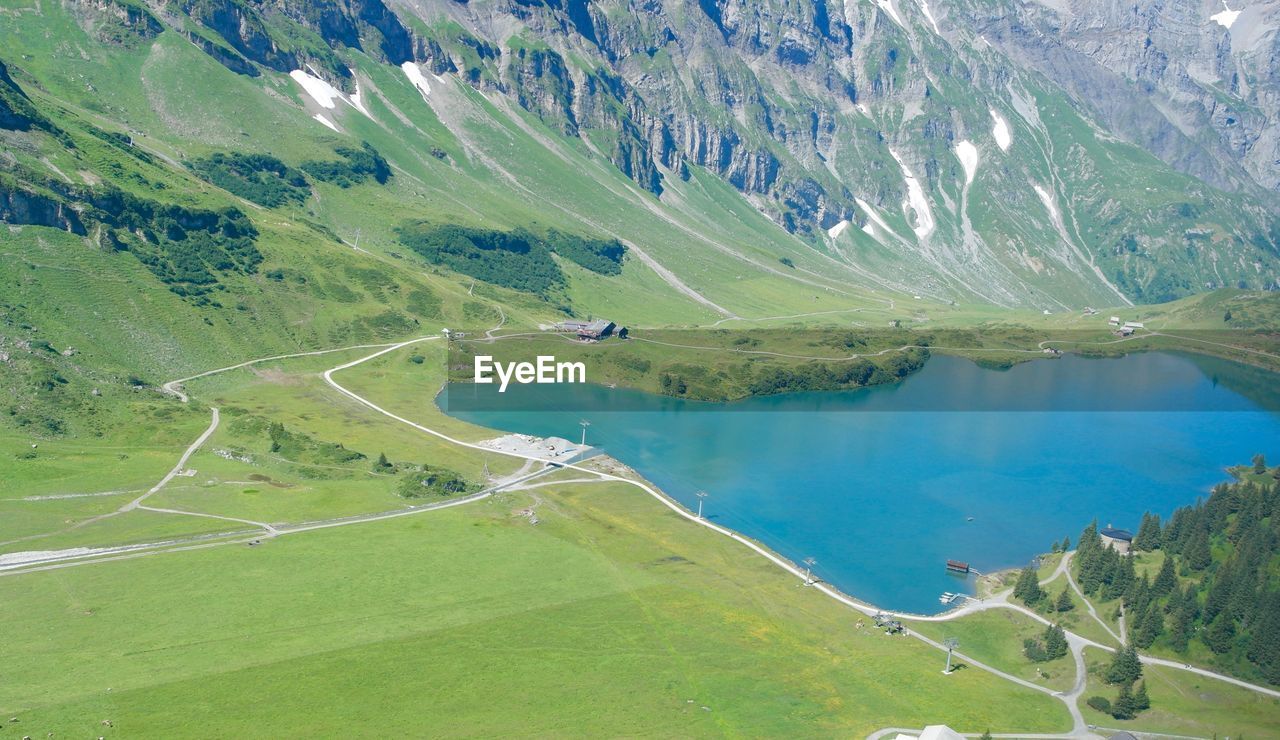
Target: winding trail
[
  {"x": 182, "y": 464},
  {"x": 1088, "y": 605}
]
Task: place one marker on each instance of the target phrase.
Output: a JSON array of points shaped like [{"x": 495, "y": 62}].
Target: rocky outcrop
[
  {"x": 118, "y": 23},
  {"x": 284, "y": 35},
  {"x": 20, "y": 205}
]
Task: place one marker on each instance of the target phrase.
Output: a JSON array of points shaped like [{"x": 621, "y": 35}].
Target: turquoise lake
[{"x": 883, "y": 485}]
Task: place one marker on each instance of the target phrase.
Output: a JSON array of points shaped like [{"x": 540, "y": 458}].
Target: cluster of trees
[
  {"x": 355, "y": 167},
  {"x": 517, "y": 259},
  {"x": 1217, "y": 583},
  {"x": 820, "y": 376},
  {"x": 1125, "y": 671},
  {"x": 434, "y": 481},
  {"x": 1027, "y": 589},
  {"x": 1051, "y": 645},
  {"x": 260, "y": 178},
  {"x": 602, "y": 256}
]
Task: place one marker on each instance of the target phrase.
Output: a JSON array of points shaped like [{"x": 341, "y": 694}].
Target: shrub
[
  {"x": 356, "y": 166},
  {"x": 1099, "y": 703},
  {"x": 260, "y": 178},
  {"x": 431, "y": 481}
]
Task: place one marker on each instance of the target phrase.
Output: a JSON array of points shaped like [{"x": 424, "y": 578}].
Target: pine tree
[
  {"x": 1264, "y": 643},
  {"x": 1027, "y": 589},
  {"x": 1055, "y": 642},
  {"x": 382, "y": 463},
  {"x": 1122, "y": 575},
  {"x": 1066, "y": 541},
  {"x": 1123, "y": 706},
  {"x": 1089, "y": 541},
  {"x": 1150, "y": 627},
  {"x": 1148, "y": 537},
  {"x": 1184, "y": 619},
  {"x": 1141, "y": 702},
  {"x": 1219, "y": 593},
  {"x": 1166, "y": 580},
  {"x": 1125, "y": 667},
  {"x": 1259, "y": 464},
  {"x": 1220, "y": 637},
  {"x": 1064, "y": 602},
  {"x": 1198, "y": 555}
]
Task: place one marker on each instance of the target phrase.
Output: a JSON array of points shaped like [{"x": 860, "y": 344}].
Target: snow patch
[
  {"x": 968, "y": 155},
  {"x": 1001, "y": 131},
  {"x": 320, "y": 117},
  {"x": 1047, "y": 199},
  {"x": 874, "y": 218},
  {"x": 1226, "y": 17},
  {"x": 887, "y": 6},
  {"x": 924, "y": 8},
  {"x": 416, "y": 78},
  {"x": 915, "y": 200},
  {"x": 320, "y": 91},
  {"x": 358, "y": 103},
  {"x": 838, "y": 229}
]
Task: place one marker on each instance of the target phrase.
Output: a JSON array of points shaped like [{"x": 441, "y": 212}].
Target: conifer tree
[
  {"x": 1055, "y": 642},
  {"x": 1027, "y": 589},
  {"x": 1123, "y": 706},
  {"x": 1141, "y": 702},
  {"x": 1197, "y": 555},
  {"x": 1150, "y": 627},
  {"x": 1064, "y": 602},
  {"x": 1148, "y": 537},
  {"x": 1125, "y": 667},
  {"x": 1166, "y": 580},
  {"x": 1220, "y": 637}
]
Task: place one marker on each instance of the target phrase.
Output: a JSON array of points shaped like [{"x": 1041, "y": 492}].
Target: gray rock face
[
  {"x": 1139, "y": 154},
  {"x": 1167, "y": 76}
]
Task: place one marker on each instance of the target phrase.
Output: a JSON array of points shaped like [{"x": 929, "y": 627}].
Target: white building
[{"x": 933, "y": 732}]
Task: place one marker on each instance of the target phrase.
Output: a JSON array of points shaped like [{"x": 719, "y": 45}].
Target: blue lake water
[{"x": 883, "y": 485}]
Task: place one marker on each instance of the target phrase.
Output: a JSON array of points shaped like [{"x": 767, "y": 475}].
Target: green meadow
[{"x": 610, "y": 616}]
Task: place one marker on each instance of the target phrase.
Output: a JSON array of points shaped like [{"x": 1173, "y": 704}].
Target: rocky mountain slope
[{"x": 1044, "y": 154}]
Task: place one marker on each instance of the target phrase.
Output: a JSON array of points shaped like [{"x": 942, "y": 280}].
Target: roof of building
[
  {"x": 1123, "y": 736},
  {"x": 598, "y": 325},
  {"x": 1117, "y": 534},
  {"x": 940, "y": 732}
]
